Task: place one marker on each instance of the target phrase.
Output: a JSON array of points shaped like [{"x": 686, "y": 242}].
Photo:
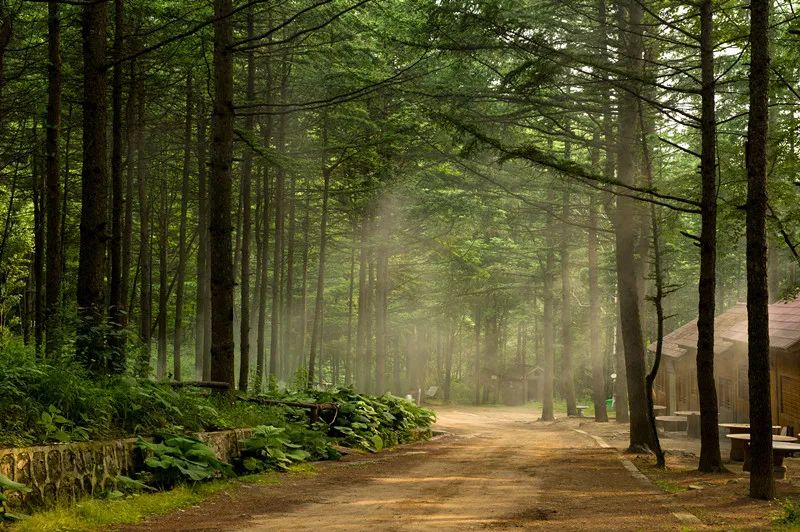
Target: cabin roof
[
  {"x": 684, "y": 338},
  {"x": 784, "y": 326}
]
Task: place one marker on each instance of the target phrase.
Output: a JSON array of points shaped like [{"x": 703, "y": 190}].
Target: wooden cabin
[
  {"x": 676, "y": 385},
  {"x": 784, "y": 348}
]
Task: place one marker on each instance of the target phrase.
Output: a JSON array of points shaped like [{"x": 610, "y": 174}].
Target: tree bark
[
  {"x": 627, "y": 272},
  {"x": 362, "y": 373},
  {"x": 277, "y": 258},
  {"x": 263, "y": 299},
  {"x": 116, "y": 313},
  {"x": 316, "y": 328},
  {"x": 127, "y": 229},
  {"x": 710, "y": 457},
  {"x": 381, "y": 280},
  {"x": 567, "y": 377},
  {"x": 163, "y": 296},
  {"x": 90, "y": 342},
  {"x": 595, "y": 352},
  {"x": 145, "y": 251},
  {"x": 247, "y": 172},
  {"x": 658, "y": 301},
  {"x": 220, "y": 230},
  {"x": 477, "y": 348},
  {"x": 39, "y": 246},
  {"x": 762, "y": 484},
  {"x": 549, "y": 349},
  {"x": 182, "y": 248},
  {"x": 54, "y": 259},
  {"x": 202, "y": 338}
]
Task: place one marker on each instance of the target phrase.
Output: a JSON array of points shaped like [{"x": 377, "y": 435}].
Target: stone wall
[{"x": 64, "y": 473}]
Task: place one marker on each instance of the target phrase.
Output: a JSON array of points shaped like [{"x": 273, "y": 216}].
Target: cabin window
[
  {"x": 790, "y": 395},
  {"x": 726, "y": 393}
]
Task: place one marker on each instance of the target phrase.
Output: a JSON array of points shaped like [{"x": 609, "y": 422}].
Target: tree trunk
[
  {"x": 316, "y": 327},
  {"x": 247, "y": 171},
  {"x": 348, "y": 377},
  {"x": 127, "y": 229},
  {"x": 221, "y": 259},
  {"x": 163, "y": 296},
  {"x": 627, "y": 272},
  {"x": 762, "y": 484},
  {"x": 477, "y": 348},
  {"x": 658, "y": 301},
  {"x": 595, "y": 352},
  {"x": 145, "y": 252},
  {"x": 39, "y": 247},
  {"x": 362, "y": 373},
  {"x": 277, "y": 258},
  {"x": 90, "y": 342},
  {"x": 710, "y": 458},
  {"x": 182, "y": 247},
  {"x": 547, "y": 324},
  {"x": 116, "y": 313},
  {"x": 202, "y": 347},
  {"x": 567, "y": 377},
  {"x": 289, "y": 318},
  {"x": 381, "y": 290},
  {"x": 53, "y": 184},
  {"x": 302, "y": 311},
  {"x": 263, "y": 299}
]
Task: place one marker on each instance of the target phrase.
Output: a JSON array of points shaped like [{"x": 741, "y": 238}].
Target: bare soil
[
  {"x": 498, "y": 468},
  {"x": 720, "y": 500}
]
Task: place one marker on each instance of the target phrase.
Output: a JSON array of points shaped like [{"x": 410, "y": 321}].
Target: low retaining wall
[{"x": 64, "y": 473}]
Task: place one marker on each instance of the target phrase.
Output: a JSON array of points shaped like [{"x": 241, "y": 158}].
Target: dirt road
[{"x": 498, "y": 469}]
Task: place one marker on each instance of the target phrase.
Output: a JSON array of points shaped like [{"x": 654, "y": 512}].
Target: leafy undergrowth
[
  {"x": 101, "y": 514},
  {"x": 57, "y": 401}
]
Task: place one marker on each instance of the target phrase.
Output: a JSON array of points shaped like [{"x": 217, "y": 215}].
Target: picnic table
[
  {"x": 671, "y": 423},
  {"x": 779, "y": 451},
  {"x": 580, "y": 409},
  {"x": 659, "y": 409},
  {"x": 744, "y": 428},
  {"x": 739, "y": 443},
  {"x": 692, "y": 422}
]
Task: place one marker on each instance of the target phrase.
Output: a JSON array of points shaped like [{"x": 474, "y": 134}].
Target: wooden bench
[
  {"x": 740, "y": 441},
  {"x": 671, "y": 423},
  {"x": 692, "y": 422},
  {"x": 580, "y": 409},
  {"x": 779, "y": 451}
]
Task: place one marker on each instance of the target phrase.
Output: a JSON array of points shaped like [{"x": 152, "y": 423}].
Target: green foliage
[
  {"x": 59, "y": 428},
  {"x": 270, "y": 448},
  {"x": 369, "y": 422},
  {"x": 180, "y": 459},
  {"x": 9, "y": 486},
  {"x": 790, "y": 513}
]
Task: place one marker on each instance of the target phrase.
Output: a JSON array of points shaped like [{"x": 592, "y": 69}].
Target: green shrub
[
  {"x": 180, "y": 459},
  {"x": 790, "y": 513},
  {"x": 269, "y": 448}
]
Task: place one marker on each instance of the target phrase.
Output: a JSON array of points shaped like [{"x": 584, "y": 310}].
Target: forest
[{"x": 334, "y": 200}]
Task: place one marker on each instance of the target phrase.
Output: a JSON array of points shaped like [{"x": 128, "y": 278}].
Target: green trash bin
[{"x": 609, "y": 404}]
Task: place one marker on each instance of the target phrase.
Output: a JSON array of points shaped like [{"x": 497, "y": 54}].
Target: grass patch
[
  {"x": 98, "y": 514},
  {"x": 789, "y": 518},
  {"x": 669, "y": 487}
]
